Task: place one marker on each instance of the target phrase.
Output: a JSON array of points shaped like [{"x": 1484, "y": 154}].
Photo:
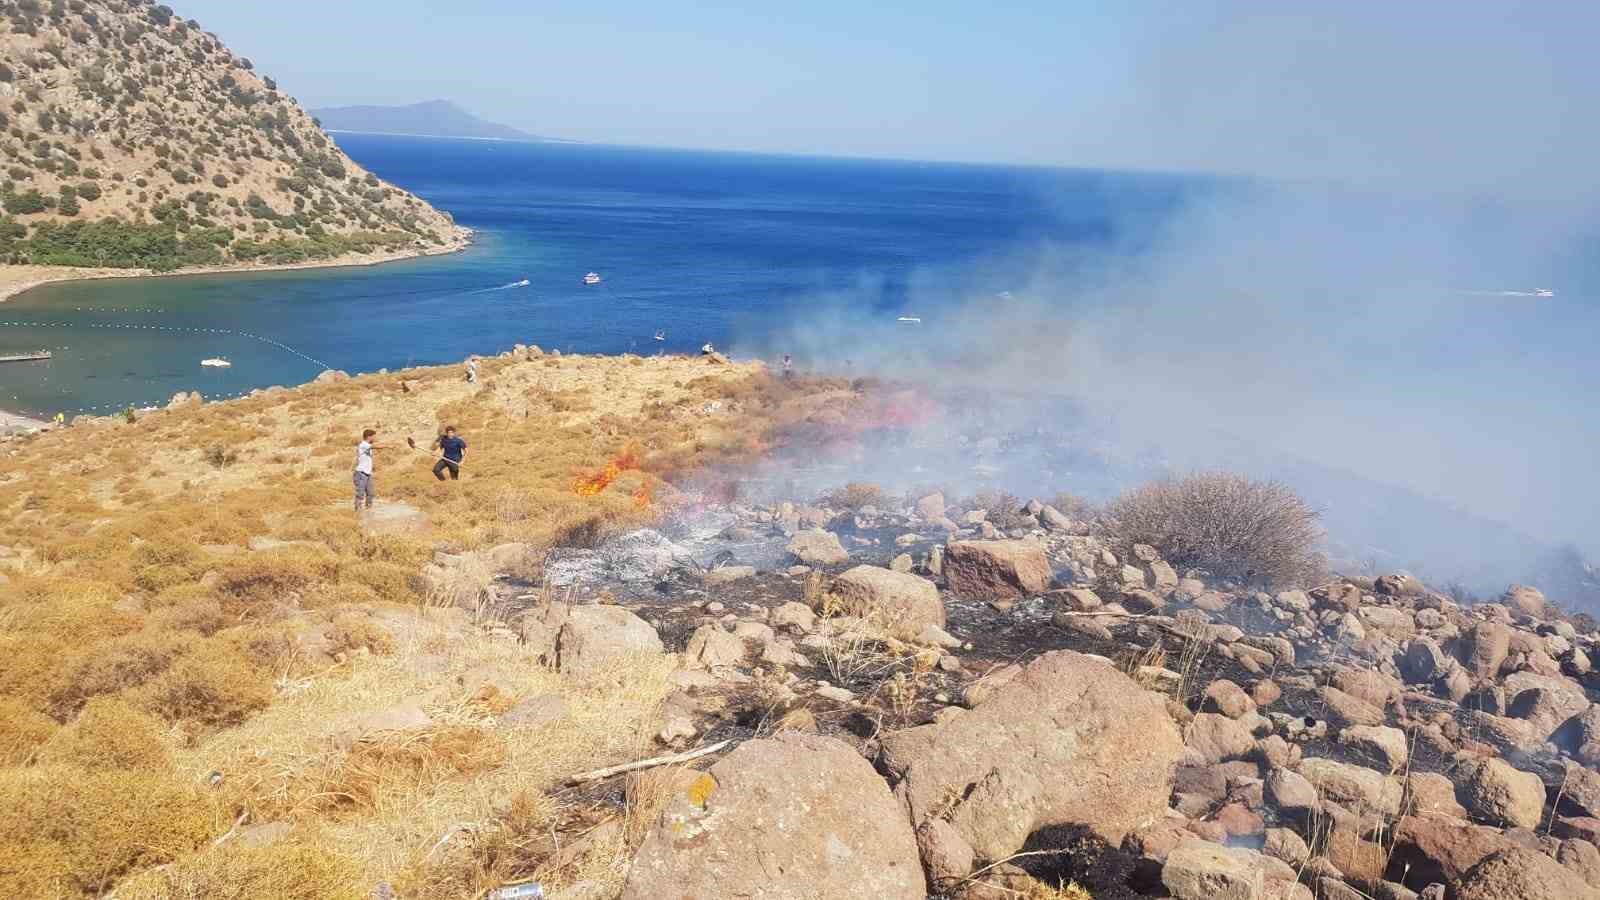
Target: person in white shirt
[{"x": 363, "y": 472}]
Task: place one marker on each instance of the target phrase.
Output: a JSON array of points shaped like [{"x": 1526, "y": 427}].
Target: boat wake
[{"x": 1540, "y": 292}]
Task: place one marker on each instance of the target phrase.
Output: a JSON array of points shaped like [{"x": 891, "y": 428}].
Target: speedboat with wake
[
  {"x": 909, "y": 320},
  {"x": 216, "y": 362}
]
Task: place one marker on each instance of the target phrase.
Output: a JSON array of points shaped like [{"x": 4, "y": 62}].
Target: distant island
[{"x": 434, "y": 118}]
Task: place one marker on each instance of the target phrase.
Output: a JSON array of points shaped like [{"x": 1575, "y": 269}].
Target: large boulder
[
  {"x": 585, "y": 639},
  {"x": 1353, "y": 786},
  {"x": 1519, "y": 874},
  {"x": 899, "y": 602},
  {"x": 1201, "y": 870},
  {"x": 1528, "y": 601},
  {"x": 1429, "y": 849},
  {"x": 1497, "y": 794},
  {"x": 816, "y": 547},
  {"x": 1484, "y": 649},
  {"x": 1068, "y": 741},
  {"x": 988, "y": 570},
  {"x": 1545, "y": 701},
  {"x": 792, "y": 817}
]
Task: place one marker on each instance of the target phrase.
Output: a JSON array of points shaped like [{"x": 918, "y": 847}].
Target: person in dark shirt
[{"x": 451, "y": 448}]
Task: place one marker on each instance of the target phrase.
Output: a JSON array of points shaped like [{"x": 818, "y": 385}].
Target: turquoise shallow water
[{"x": 703, "y": 246}]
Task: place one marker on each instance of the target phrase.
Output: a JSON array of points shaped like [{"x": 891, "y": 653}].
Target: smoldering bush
[{"x": 1232, "y": 526}]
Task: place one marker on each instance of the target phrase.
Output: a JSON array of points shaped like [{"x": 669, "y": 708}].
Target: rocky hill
[
  {"x": 131, "y": 137},
  {"x": 433, "y": 118}
]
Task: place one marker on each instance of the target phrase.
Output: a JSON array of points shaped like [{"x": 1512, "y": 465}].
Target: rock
[
  {"x": 1215, "y": 738},
  {"x": 1386, "y": 745},
  {"x": 1353, "y": 785},
  {"x": 1526, "y": 600},
  {"x": 1199, "y": 870},
  {"x": 1423, "y": 661},
  {"x": 1368, "y": 685},
  {"x": 901, "y": 563},
  {"x": 1432, "y": 794},
  {"x": 796, "y": 616},
  {"x": 1291, "y": 793},
  {"x": 1545, "y": 701},
  {"x": 986, "y": 570},
  {"x": 946, "y": 856},
  {"x": 1345, "y": 709},
  {"x": 1505, "y": 735},
  {"x": 1399, "y": 584},
  {"x": 593, "y": 637},
  {"x": 1265, "y": 692},
  {"x": 1579, "y": 788},
  {"x": 1484, "y": 649},
  {"x": 331, "y": 375},
  {"x": 1283, "y": 844},
  {"x": 535, "y": 712},
  {"x": 1519, "y": 874},
  {"x": 1238, "y": 821},
  {"x": 710, "y": 647},
  {"x": 816, "y": 547},
  {"x": 1067, "y": 741},
  {"x": 900, "y": 603},
  {"x": 727, "y": 574},
  {"x": 981, "y": 690},
  {"x": 1583, "y": 858},
  {"x": 1053, "y": 520},
  {"x": 931, "y": 507},
  {"x": 791, "y": 817},
  {"x": 264, "y": 835},
  {"x": 1225, "y": 697},
  {"x": 1498, "y": 794},
  {"x": 1430, "y": 849}
]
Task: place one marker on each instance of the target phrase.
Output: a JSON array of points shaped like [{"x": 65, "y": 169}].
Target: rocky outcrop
[
  {"x": 1068, "y": 741},
  {"x": 584, "y": 639},
  {"x": 793, "y": 817},
  {"x": 988, "y": 570}
]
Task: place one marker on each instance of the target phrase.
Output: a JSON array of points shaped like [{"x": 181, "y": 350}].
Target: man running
[
  {"x": 451, "y": 448},
  {"x": 363, "y": 471}
]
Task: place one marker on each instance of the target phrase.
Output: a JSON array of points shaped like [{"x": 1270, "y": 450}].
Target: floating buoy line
[{"x": 189, "y": 329}]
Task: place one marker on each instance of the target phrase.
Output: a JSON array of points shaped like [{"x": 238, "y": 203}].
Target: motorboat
[
  {"x": 910, "y": 320},
  {"x": 216, "y": 362},
  {"x": 591, "y": 278}
]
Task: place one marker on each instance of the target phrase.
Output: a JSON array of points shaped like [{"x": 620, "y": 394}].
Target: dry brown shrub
[
  {"x": 66, "y": 831},
  {"x": 233, "y": 872},
  {"x": 23, "y": 730},
  {"x": 109, "y": 733},
  {"x": 203, "y": 615},
  {"x": 854, "y": 496},
  {"x": 114, "y": 666},
  {"x": 1002, "y": 510},
  {"x": 212, "y": 685},
  {"x": 255, "y": 579},
  {"x": 1232, "y": 526},
  {"x": 399, "y": 763}
]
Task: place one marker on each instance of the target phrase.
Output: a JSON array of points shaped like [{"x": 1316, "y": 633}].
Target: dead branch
[{"x": 650, "y": 763}]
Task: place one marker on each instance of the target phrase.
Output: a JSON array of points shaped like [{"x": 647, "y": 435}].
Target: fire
[
  {"x": 642, "y": 497},
  {"x": 592, "y": 484}
]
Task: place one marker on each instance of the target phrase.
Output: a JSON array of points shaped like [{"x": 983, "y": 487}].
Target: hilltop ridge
[{"x": 135, "y": 139}]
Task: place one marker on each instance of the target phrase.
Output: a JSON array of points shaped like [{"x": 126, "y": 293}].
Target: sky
[{"x": 1297, "y": 89}]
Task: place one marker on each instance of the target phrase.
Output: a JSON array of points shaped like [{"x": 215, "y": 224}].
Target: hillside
[
  {"x": 434, "y": 118},
  {"x": 132, "y": 138}
]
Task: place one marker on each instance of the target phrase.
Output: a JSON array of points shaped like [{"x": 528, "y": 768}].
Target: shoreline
[{"x": 16, "y": 280}]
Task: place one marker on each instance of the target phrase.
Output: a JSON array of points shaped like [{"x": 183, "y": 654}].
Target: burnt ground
[{"x": 992, "y": 636}]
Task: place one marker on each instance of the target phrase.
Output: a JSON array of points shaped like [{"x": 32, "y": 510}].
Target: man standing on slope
[
  {"x": 363, "y": 471},
  {"x": 451, "y": 449}
]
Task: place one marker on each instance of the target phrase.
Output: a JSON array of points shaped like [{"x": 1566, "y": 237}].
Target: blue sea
[{"x": 719, "y": 247}]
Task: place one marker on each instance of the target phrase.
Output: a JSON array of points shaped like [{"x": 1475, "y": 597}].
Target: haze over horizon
[
  {"x": 1343, "y": 91},
  {"x": 1412, "y": 151}
]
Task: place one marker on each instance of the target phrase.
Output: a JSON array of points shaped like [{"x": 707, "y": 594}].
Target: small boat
[
  {"x": 592, "y": 278},
  {"x": 216, "y": 362},
  {"x": 1544, "y": 292},
  {"x": 910, "y": 320},
  {"x": 25, "y": 357},
  {"x": 522, "y": 283},
  {"x": 661, "y": 335}
]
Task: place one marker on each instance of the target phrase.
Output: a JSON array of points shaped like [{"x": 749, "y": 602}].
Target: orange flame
[{"x": 592, "y": 484}]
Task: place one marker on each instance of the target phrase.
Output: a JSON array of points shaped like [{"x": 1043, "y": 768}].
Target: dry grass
[
  {"x": 1233, "y": 526},
  {"x": 155, "y": 604}
]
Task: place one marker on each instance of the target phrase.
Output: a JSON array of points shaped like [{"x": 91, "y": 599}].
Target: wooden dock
[{"x": 24, "y": 357}]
